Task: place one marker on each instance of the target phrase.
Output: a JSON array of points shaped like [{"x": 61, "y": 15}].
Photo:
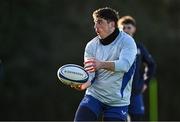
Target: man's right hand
[{"x": 81, "y": 87}]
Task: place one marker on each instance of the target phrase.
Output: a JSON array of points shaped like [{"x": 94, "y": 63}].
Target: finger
[
  {"x": 89, "y": 68},
  {"x": 89, "y": 62},
  {"x": 72, "y": 86},
  {"x": 75, "y": 86},
  {"x": 89, "y": 65}
]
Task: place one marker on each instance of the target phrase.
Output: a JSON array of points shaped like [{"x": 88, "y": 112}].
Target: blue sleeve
[{"x": 149, "y": 62}]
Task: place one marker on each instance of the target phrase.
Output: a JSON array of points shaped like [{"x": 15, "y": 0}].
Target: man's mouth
[{"x": 97, "y": 32}]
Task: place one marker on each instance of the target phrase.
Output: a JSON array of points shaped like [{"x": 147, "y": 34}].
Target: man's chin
[{"x": 99, "y": 37}]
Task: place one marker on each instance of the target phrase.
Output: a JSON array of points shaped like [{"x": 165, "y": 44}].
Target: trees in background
[{"x": 38, "y": 36}]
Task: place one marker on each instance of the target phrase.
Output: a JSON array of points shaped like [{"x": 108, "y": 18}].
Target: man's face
[
  {"x": 129, "y": 28},
  {"x": 103, "y": 28}
]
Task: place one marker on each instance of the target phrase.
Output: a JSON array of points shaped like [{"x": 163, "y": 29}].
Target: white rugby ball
[{"x": 72, "y": 74}]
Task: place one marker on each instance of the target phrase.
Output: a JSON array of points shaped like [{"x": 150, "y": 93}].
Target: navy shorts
[{"x": 98, "y": 107}]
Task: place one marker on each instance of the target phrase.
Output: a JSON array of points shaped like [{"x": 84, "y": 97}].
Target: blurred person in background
[
  {"x": 110, "y": 61},
  {"x": 145, "y": 69}
]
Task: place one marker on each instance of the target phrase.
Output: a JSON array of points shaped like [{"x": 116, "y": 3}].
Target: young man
[
  {"x": 109, "y": 59},
  {"x": 145, "y": 67}
]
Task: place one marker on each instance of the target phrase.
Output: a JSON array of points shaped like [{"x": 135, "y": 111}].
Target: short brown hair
[
  {"x": 127, "y": 20},
  {"x": 106, "y": 13}
]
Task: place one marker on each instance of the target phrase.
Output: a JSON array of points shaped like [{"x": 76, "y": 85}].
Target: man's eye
[{"x": 99, "y": 22}]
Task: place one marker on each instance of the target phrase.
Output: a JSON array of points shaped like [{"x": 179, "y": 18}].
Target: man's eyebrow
[{"x": 98, "y": 20}]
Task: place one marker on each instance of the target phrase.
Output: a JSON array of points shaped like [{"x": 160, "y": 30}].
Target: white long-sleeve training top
[{"x": 113, "y": 88}]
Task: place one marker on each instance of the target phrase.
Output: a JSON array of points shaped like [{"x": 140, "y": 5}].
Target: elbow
[{"x": 122, "y": 66}]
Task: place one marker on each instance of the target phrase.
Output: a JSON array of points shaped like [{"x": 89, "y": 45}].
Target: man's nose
[
  {"x": 95, "y": 25},
  {"x": 125, "y": 30}
]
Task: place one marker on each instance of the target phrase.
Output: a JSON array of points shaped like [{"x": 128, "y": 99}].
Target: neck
[{"x": 109, "y": 39}]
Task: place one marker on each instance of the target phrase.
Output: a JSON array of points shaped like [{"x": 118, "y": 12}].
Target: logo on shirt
[
  {"x": 85, "y": 100},
  {"x": 123, "y": 112}
]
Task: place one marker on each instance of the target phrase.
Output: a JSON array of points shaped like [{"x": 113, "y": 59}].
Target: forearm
[
  {"x": 108, "y": 65},
  {"x": 92, "y": 65}
]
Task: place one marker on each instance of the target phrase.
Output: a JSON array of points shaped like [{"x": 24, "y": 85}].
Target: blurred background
[{"x": 39, "y": 36}]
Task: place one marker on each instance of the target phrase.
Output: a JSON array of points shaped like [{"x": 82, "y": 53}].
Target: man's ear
[
  {"x": 112, "y": 24},
  {"x": 134, "y": 30}
]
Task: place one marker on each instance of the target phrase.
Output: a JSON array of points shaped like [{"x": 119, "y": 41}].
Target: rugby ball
[{"x": 72, "y": 74}]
